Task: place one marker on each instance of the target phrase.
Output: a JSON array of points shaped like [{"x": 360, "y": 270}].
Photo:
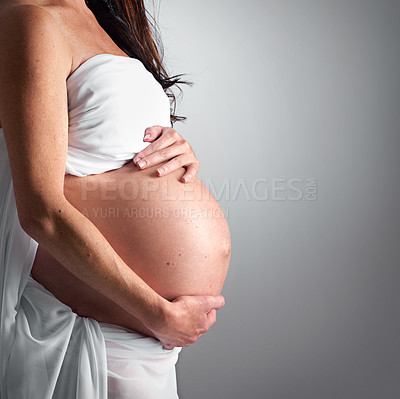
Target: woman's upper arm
[{"x": 34, "y": 63}]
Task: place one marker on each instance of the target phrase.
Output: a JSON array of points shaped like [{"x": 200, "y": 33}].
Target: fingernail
[
  {"x": 137, "y": 160},
  {"x": 141, "y": 164},
  {"x": 147, "y": 136},
  {"x": 160, "y": 171}
]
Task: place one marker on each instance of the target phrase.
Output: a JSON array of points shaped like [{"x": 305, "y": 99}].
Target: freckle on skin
[
  {"x": 179, "y": 254},
  {"x": 168, "y": 263}
]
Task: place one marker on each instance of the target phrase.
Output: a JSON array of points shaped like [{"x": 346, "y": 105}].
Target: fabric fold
[{"x": 46, "y": 350}]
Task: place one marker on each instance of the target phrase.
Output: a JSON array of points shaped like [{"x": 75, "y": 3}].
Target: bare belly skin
[{"x": 173, "y": 235}]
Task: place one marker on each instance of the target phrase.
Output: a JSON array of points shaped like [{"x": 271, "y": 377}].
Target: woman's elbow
[
  {"x": 40, "y": 222},
  {"x": 34, "y": 225}
]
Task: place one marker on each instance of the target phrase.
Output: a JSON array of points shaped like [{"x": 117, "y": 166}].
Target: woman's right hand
[{"x": 186, "y": 319}]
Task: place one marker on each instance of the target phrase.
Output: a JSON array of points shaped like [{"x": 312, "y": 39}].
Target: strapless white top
[
  {"x": 46, "y": 350},
  {"x": 111, "y": 101}
]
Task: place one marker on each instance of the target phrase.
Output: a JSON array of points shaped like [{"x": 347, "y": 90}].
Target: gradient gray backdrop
[{"x": 290, "y": 90}]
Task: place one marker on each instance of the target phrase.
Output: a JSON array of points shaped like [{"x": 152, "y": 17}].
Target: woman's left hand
[{"x": 167, "y": 145}]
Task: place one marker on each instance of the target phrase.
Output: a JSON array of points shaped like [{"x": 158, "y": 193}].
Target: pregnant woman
[{"x": 113, "y": 254}]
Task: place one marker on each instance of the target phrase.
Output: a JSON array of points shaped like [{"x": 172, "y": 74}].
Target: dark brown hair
[{"x": 135, "y": 32}]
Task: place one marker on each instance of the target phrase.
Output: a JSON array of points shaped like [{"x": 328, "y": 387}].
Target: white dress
[{"x": 47, "y": 350}]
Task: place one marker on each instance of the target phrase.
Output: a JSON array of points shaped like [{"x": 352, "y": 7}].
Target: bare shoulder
[
  {"x": 32, "y": 45},
  {"x": 24, "y": 14},
  {"x": 29, "y": 32}
]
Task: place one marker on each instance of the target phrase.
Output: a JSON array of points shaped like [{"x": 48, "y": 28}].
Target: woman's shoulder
[
  {"x": 29, "y": 30},
  {"x": 15, "y": 8},
  {"x": 26, "y": 12},
  {"x": 26, "y": 18},
  {"x": 30, "y": 15},
  {"x": 32, "y": 46}
]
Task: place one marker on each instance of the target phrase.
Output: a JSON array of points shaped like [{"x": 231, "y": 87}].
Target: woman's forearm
[{"x": 75, "y": 242}]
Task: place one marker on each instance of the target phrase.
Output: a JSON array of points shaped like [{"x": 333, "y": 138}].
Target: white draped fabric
[{"x": 47, "y": 350}]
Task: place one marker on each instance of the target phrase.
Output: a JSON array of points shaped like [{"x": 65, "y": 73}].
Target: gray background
[{"x": 297, "y": 90}]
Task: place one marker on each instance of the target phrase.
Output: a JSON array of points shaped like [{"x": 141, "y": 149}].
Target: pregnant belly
[{"x": 173, "y": 235}]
